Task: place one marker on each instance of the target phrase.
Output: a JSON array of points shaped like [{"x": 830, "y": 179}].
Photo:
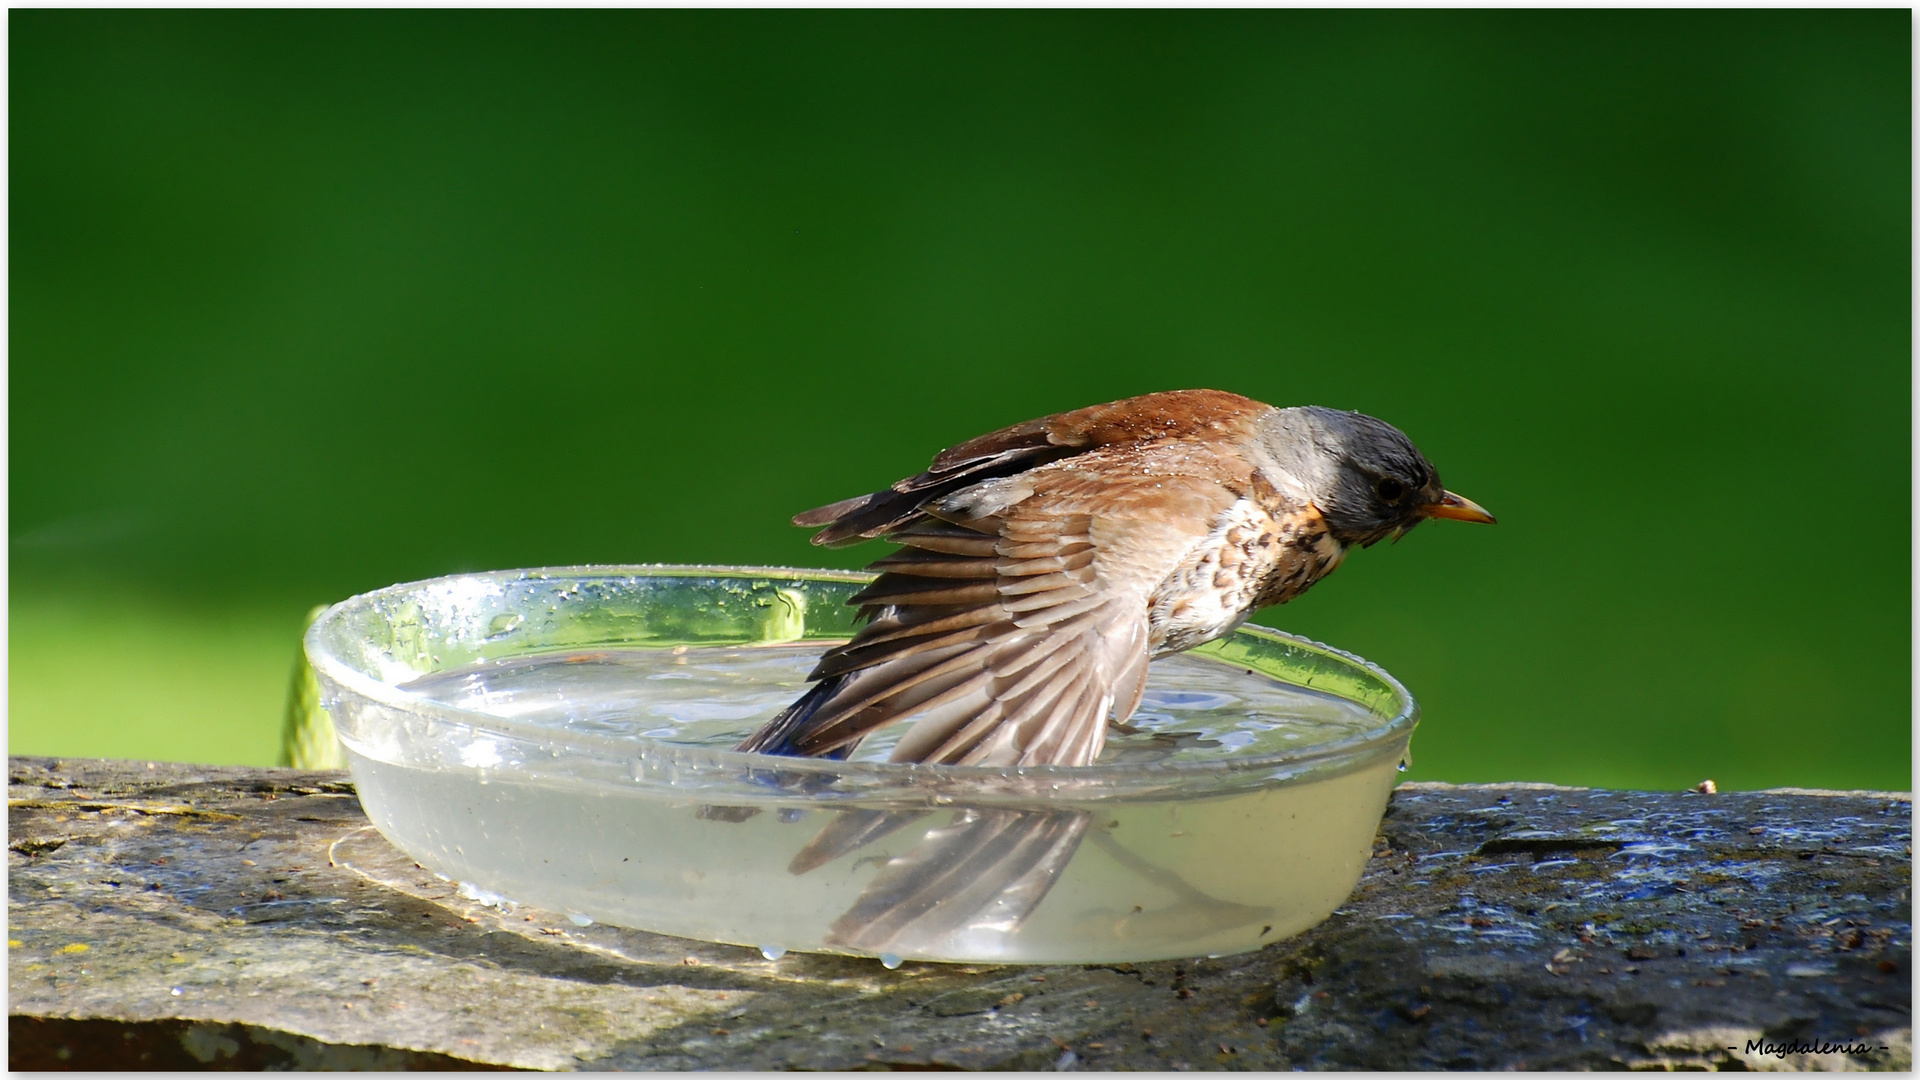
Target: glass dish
[{"x": 1162, "y": 853}]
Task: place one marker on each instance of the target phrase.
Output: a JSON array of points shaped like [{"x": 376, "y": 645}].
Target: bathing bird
[
  {"x": 1043, "y": 565},
  {"x": 1040, "y": 568}
]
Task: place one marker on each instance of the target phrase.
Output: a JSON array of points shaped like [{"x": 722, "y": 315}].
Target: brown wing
[
  {"x": 1015, "y": 619},
  {"x": 1175, "y": 414}
]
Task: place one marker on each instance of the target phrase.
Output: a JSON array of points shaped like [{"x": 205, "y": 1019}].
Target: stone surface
[{"x": 179, "y": 916}]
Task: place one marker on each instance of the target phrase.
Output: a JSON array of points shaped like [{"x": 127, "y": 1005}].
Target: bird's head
[{"x": 1367, "y": 479}]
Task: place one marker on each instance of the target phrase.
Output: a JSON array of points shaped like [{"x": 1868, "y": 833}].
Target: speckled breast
[{"x": 1261, "y": 551}]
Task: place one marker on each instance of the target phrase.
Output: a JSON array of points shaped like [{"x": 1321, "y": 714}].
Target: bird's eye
[{"x": 1389, "y": 489}]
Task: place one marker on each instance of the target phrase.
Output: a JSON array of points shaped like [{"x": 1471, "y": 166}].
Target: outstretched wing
[
  {"x": 1015, "y": 619},
  {"x": 1012, "y": 623},
  {"x": 1175, "y": 414}
]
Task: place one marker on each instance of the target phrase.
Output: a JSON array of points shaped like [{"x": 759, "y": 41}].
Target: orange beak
[{"x": 1459, "y": 509}]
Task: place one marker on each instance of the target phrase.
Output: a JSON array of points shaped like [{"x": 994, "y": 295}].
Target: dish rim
[{"x": 1357, "y": 748}]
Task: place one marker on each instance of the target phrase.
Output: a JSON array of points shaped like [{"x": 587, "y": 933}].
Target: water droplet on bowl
[
  {"x": 578, "y": 919},
  {"x": 772, "y": 952},
  {"x": 889, "y": 961}
]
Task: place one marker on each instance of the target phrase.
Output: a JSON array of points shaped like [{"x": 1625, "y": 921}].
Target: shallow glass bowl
[{"x": 505, "y": 729}]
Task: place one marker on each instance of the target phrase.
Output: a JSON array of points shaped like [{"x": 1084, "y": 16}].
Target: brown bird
[
  {"x": 1045, "y": 564},
  {"x": 1042, "y": 567}
]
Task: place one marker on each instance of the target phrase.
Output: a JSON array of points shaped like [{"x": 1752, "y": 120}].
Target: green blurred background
[{"x": 306, "y": 303}]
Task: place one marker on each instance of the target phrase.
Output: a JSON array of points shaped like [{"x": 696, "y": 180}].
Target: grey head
[{"x": 1367, "y": 479}]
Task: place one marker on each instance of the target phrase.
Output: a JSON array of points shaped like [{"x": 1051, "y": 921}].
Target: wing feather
[
  {"x": 902, "y": 588},
  {"x": 973, "y": 545}
]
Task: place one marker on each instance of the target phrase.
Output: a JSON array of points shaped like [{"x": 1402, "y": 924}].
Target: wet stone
[{"x": 181, "y": 916}]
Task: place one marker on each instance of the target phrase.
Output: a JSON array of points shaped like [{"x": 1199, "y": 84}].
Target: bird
[
  {"x": 1043, "y": 565},
  {"x": 1040, "y": 568}
]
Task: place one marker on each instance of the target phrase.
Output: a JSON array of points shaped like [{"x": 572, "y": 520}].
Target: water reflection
[{"x": 968, "y": 885}]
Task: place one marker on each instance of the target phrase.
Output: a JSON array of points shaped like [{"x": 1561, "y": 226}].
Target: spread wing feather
[
  {"x": 1008, "y": 654},
  {"x": 1014, "y": 617}
]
